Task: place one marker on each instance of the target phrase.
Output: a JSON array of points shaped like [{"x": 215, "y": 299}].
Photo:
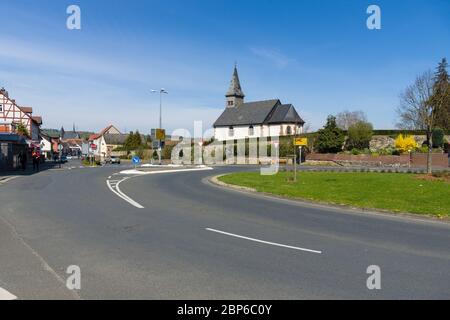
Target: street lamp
[{"x": 161, "y": 91}]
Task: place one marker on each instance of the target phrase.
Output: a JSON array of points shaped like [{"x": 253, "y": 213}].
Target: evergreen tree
[
  {"x": 137, "y": 141},
  {"x": 441, "y": 95},
  {"x": 128, "y": 144},
  {"x": 331, "y": 138}
]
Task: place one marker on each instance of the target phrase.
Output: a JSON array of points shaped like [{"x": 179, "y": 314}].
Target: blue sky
[{"x": 318, "y": 55}]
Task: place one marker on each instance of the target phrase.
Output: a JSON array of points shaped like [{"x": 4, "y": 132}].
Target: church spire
[{"x": 235, "y": 95}]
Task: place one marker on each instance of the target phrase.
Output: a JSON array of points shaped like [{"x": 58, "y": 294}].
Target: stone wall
[
  {"x": 417, "y": 160},
  {"x": 382, "y": 142}
]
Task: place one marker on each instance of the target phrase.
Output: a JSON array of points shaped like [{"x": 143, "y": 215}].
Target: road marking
[
  {"x": 5, "y": 180},
  {"x": 262, "y": 241},
  {"x": 136, "y": 172},
  {"x": 5, "y": 295},
  {"x": 114, "y": 187}
]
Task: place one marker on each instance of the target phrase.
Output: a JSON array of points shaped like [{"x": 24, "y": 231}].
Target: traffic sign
[
  {"x": 158, "y": 134},
  {"x": 136, "y": 160},
  {"x": 301, "y": 141}
]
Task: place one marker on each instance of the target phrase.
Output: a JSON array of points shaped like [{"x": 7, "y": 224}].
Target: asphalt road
[{"x": 193, "y": 240}]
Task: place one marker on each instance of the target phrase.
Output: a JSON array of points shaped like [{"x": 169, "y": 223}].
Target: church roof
[
  {"x": 258, "y": 112},
  {"x": 235, "y": 89},
  {"x": 285, "y": 113}
]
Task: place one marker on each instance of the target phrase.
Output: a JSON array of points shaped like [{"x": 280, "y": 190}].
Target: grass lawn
[{"x": 390, "y": 191}]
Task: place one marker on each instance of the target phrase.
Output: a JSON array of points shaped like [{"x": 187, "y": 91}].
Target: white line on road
[
  {"x": 136, "y": 172},
  {"x": 262, "y": 241},
  {"x": 114, "y": 187},
  {"x": 5, "y": 295}
]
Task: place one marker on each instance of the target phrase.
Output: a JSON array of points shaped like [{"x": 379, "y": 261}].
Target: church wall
[{"x": 242, "y": 132}]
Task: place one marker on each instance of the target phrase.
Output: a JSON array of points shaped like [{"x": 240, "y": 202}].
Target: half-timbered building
[{"x": 11, "y": 115}]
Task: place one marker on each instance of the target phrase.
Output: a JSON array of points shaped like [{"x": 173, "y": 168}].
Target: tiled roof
[
  {"x": 259, "y": 112},
  {"x": 26, "y": 109},
  {"x": 37, "y": 119},
  {"x": 285, "y": 113},
  {"x": 246, "y": 113}
]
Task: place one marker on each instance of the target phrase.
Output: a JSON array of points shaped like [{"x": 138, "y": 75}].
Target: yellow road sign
[
  {"x": 160, "y": 134},
  {"x": 301, "y": 141}
]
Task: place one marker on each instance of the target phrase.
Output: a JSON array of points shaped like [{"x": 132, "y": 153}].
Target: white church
[{"x": 257, "y": 119}]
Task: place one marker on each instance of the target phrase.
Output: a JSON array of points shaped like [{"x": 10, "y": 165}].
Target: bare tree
[
  {"x": 417, "y": 109},
  {"x": 346, "y": 119}
]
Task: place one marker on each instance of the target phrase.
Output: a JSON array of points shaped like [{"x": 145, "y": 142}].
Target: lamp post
[{"x": 161, "y": 91}]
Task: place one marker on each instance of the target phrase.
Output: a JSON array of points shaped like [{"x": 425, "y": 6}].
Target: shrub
[
  {"x": 167, "y": 152},
  {"x": 359, "y": 135},
  {"x": 405, "y": 143},
  {"x": 355, "y": 152},
  {"x": 438, "y": 138},
  {"x": 140, "y": 152},
  {"x": 422, "y": 149}
]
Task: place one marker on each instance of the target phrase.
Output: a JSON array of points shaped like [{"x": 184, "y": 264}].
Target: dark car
[{"x": 63, "y": 159}]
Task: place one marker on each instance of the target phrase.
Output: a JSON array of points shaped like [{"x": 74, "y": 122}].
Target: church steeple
[{"x": 235, "y": 95}]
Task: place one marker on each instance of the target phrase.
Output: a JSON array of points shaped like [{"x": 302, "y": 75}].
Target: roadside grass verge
[{"x": 387, "y": 191}]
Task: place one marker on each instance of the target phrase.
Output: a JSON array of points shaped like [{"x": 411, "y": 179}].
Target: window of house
[
  {"x": 288, "y": 130},
  {"x": 230, "y": 131},
  {"x": 230, "y": 102},
  {"x": 1, "y": 107},
  {"x": 251, "y": 131}
]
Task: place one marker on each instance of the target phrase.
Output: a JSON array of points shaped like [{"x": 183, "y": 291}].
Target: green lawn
[{"x": 395, "y": 192}]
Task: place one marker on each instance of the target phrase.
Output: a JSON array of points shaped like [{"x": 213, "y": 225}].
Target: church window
[{"x": 230, "y": 131}]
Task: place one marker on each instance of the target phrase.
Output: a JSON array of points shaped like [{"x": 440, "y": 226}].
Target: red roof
[
  {"x": 26, "y": 109},
  {"x": 37, "y": 119},
  {"x": 98, "y": 135}
]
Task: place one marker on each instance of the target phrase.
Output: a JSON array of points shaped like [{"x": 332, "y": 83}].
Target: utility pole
[{"x": 161, "y": 91}]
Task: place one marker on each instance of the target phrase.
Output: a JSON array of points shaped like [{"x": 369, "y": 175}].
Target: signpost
[
  {"x": 300, "y": 142},
  {"x": 136, "y": 160},
  {"x": 158, "y": 137},
  {"x": 60, "y": 148}
]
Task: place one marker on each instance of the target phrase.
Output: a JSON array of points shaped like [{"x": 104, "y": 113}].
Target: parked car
[
  {"x": 63, "y": 159},
  {"x": 113, "y": 160}
]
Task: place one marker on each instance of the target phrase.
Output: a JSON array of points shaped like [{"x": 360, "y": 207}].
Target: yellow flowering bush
[{"x": 405, "y": 143}]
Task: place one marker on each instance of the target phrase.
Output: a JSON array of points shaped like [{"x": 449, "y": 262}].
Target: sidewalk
[{"x": 28, "y": 171}]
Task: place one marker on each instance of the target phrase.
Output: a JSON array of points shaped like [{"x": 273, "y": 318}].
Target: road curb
[{"x": 332, "y": 207}]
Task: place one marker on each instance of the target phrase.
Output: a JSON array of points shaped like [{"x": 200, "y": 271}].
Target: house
[
  {"x": 256, "y": 119},
  {"x": 12, "y": 115},
  {"x": 102, "y": 143},
  {"x": 11, "y": 146}
]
